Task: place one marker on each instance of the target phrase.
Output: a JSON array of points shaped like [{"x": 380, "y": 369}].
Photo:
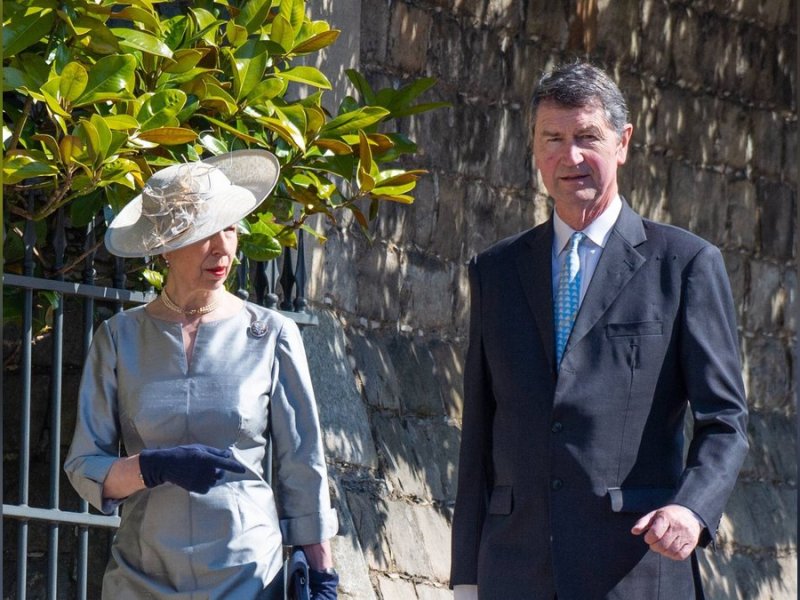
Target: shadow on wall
[{"x": 394, "y": 446}]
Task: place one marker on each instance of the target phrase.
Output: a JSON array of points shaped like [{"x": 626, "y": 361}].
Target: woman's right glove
[
  {"x": 323, "y": 584},
  {"x": 196, "y": 467}
]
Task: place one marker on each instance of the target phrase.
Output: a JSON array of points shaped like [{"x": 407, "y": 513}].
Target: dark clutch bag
[{"x": 296, "y": 573}]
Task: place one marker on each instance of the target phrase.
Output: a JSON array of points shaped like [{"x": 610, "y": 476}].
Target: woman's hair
[{"x": 579, "y": 84}]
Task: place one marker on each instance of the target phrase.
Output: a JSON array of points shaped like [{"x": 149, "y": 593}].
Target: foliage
[{"x": 99, "y": 94}]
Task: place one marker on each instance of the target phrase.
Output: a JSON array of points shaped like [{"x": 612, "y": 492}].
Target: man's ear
[{"x": 623, "y": 143}]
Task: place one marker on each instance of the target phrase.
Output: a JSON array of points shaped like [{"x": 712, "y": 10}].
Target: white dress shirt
[{"x": 597, "y": 233}]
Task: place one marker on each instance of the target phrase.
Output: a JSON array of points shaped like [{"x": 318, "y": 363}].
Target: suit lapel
[
  {"x": 617, "y": 265},
  {"x": 535, "y": 268}
]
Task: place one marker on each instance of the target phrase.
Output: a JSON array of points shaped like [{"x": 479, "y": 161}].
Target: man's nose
[{"x": 573, "y": 154}]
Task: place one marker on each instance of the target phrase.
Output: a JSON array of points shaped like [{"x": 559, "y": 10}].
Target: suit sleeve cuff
[{"x": 310, "y": 529}]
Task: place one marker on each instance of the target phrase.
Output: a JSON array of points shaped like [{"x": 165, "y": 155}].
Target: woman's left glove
[
  {"x": 323, "y": 584},
  {"x": 196, "y": 467}
]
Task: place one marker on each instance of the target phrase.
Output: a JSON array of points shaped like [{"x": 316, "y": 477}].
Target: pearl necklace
[{"x": 189, "y": 312}]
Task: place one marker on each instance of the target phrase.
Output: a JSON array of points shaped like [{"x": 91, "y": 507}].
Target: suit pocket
[
  {"x": 637, "y": 328},
  {"x": 639, "y": 500},
  {"x": 502, "y": 500}
]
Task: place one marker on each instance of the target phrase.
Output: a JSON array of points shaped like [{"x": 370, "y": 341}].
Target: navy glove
[
  {"x": 323, "y": 584},
  {"x": 305, "y": 583},
  {"x": 297, "y": 576},
  {"x": 195, "y": 468}
]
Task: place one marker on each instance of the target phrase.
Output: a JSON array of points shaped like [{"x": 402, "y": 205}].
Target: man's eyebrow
[
  {"x": 550, "y": 133},
  {"x": 593, "y": 129}
]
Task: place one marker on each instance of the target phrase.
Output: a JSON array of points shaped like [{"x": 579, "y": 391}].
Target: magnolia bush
[{"x": 100, "y": 94}]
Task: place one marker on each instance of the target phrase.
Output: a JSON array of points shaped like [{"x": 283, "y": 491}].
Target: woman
[{"x": 194, "y": 385}]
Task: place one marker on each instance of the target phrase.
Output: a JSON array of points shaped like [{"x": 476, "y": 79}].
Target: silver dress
[{"x": 248, "y": 379}]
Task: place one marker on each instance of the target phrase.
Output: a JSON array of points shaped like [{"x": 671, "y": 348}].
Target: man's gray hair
[{"x": 578, "y": 85}]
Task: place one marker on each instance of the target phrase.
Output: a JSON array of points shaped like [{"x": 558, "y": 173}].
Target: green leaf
[
  {"x": 213, "y": 144},
  {"x": 419, "y": 108},
  {"x": 50, "y": 143},
  {"x": 35, "y": 67},
  {"x": 73, "y": 81},
  {"x": 361, "y": 84},
  {"x": 294, "y": 12},
  {"x": 88, "y": 134},
  {"x": 393, "y": 190},
  {"x": 400, "y": 198},
  {"x": 26, "y": 30},
  {"x": 16, "y": 79},
  {"x": 103, "y": 136},
  {"x": 353, "y": 121},
  {"x": 402, "y": 98},
  {"x": 70, "y": 147},
  {"x": 260, "y": 246},
  {"x": 315, "y": 119},
  {"x": 148, "y": 18},
  {"x": 366, "y": 178},
  {"x": 184, "y": 60},
  {"x": 267, "y": 89},
  {"x": 121, "y": 122},
  {"x": 239, "y": 134},
  {"x": 110, "y": 78},
  {"x": 316, "y": 42},
  {"x": 207, "y": 25},
  {"x": 306, "y": 75},
  {"x": 120, "y": 171},
  {"x": 335, "y": 146},
  {"x": 285, "y": 129},
  {"x": 19, "y": 167},
  {"x": 249, "y": 63},
  {"x": 282, "y": 33},
  {"x": 341, "y": 165},
  {"x": 84, "y": 208},
  {"x": 403, "y": 143},
  {"x": 142, "y": 41},
  {"x": 216, "y": 97},
  {"x": 159, "y": 109},
  {"x": 153, "y": 278},
  {"x": 295, "y": 115},
  {"x": 391, "y": 177},
  {"x": 235, "y": 34},
  {"x": 177, "y": 29},
  {"x": 189, "y": 109},
  {"x": 51, "y": 100},
  {"x": 253, "y": 14}
]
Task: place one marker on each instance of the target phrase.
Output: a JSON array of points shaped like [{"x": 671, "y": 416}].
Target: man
[{"x": 590, "y": 335}]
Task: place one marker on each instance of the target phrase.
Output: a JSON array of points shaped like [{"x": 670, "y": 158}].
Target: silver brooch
[{"x": 258, "y": 329}]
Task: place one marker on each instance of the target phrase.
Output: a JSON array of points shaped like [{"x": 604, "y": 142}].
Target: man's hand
[{"x": 672, "y": 530}]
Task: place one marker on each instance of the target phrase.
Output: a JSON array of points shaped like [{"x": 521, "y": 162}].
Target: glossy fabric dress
[{"x": 248, "y": 380}]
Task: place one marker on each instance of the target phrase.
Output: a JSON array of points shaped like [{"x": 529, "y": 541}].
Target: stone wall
[{"x": 712, "y": 90}]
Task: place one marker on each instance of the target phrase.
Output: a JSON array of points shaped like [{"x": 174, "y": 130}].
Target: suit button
[
  {"x": 556, "y": 427},
  {"x": 556, "y": 485}
]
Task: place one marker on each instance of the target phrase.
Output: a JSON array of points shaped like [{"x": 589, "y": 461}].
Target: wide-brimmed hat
[{"x": 188, "y": 202}]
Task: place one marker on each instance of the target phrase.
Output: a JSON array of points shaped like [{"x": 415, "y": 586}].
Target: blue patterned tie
[{"x": 568, "y": 294}]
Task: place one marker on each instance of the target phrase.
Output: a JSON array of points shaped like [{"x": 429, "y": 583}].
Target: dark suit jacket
[{"x": 555, "y": 468}]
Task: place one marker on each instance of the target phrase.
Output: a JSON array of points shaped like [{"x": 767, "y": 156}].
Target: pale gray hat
[{"x": 188, "y": 202}]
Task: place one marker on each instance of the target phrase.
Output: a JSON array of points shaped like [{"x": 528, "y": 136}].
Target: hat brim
[{"x": 253, "y": 174}]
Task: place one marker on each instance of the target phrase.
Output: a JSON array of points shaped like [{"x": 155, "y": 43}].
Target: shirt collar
[{"x": 597, "y": 231}]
